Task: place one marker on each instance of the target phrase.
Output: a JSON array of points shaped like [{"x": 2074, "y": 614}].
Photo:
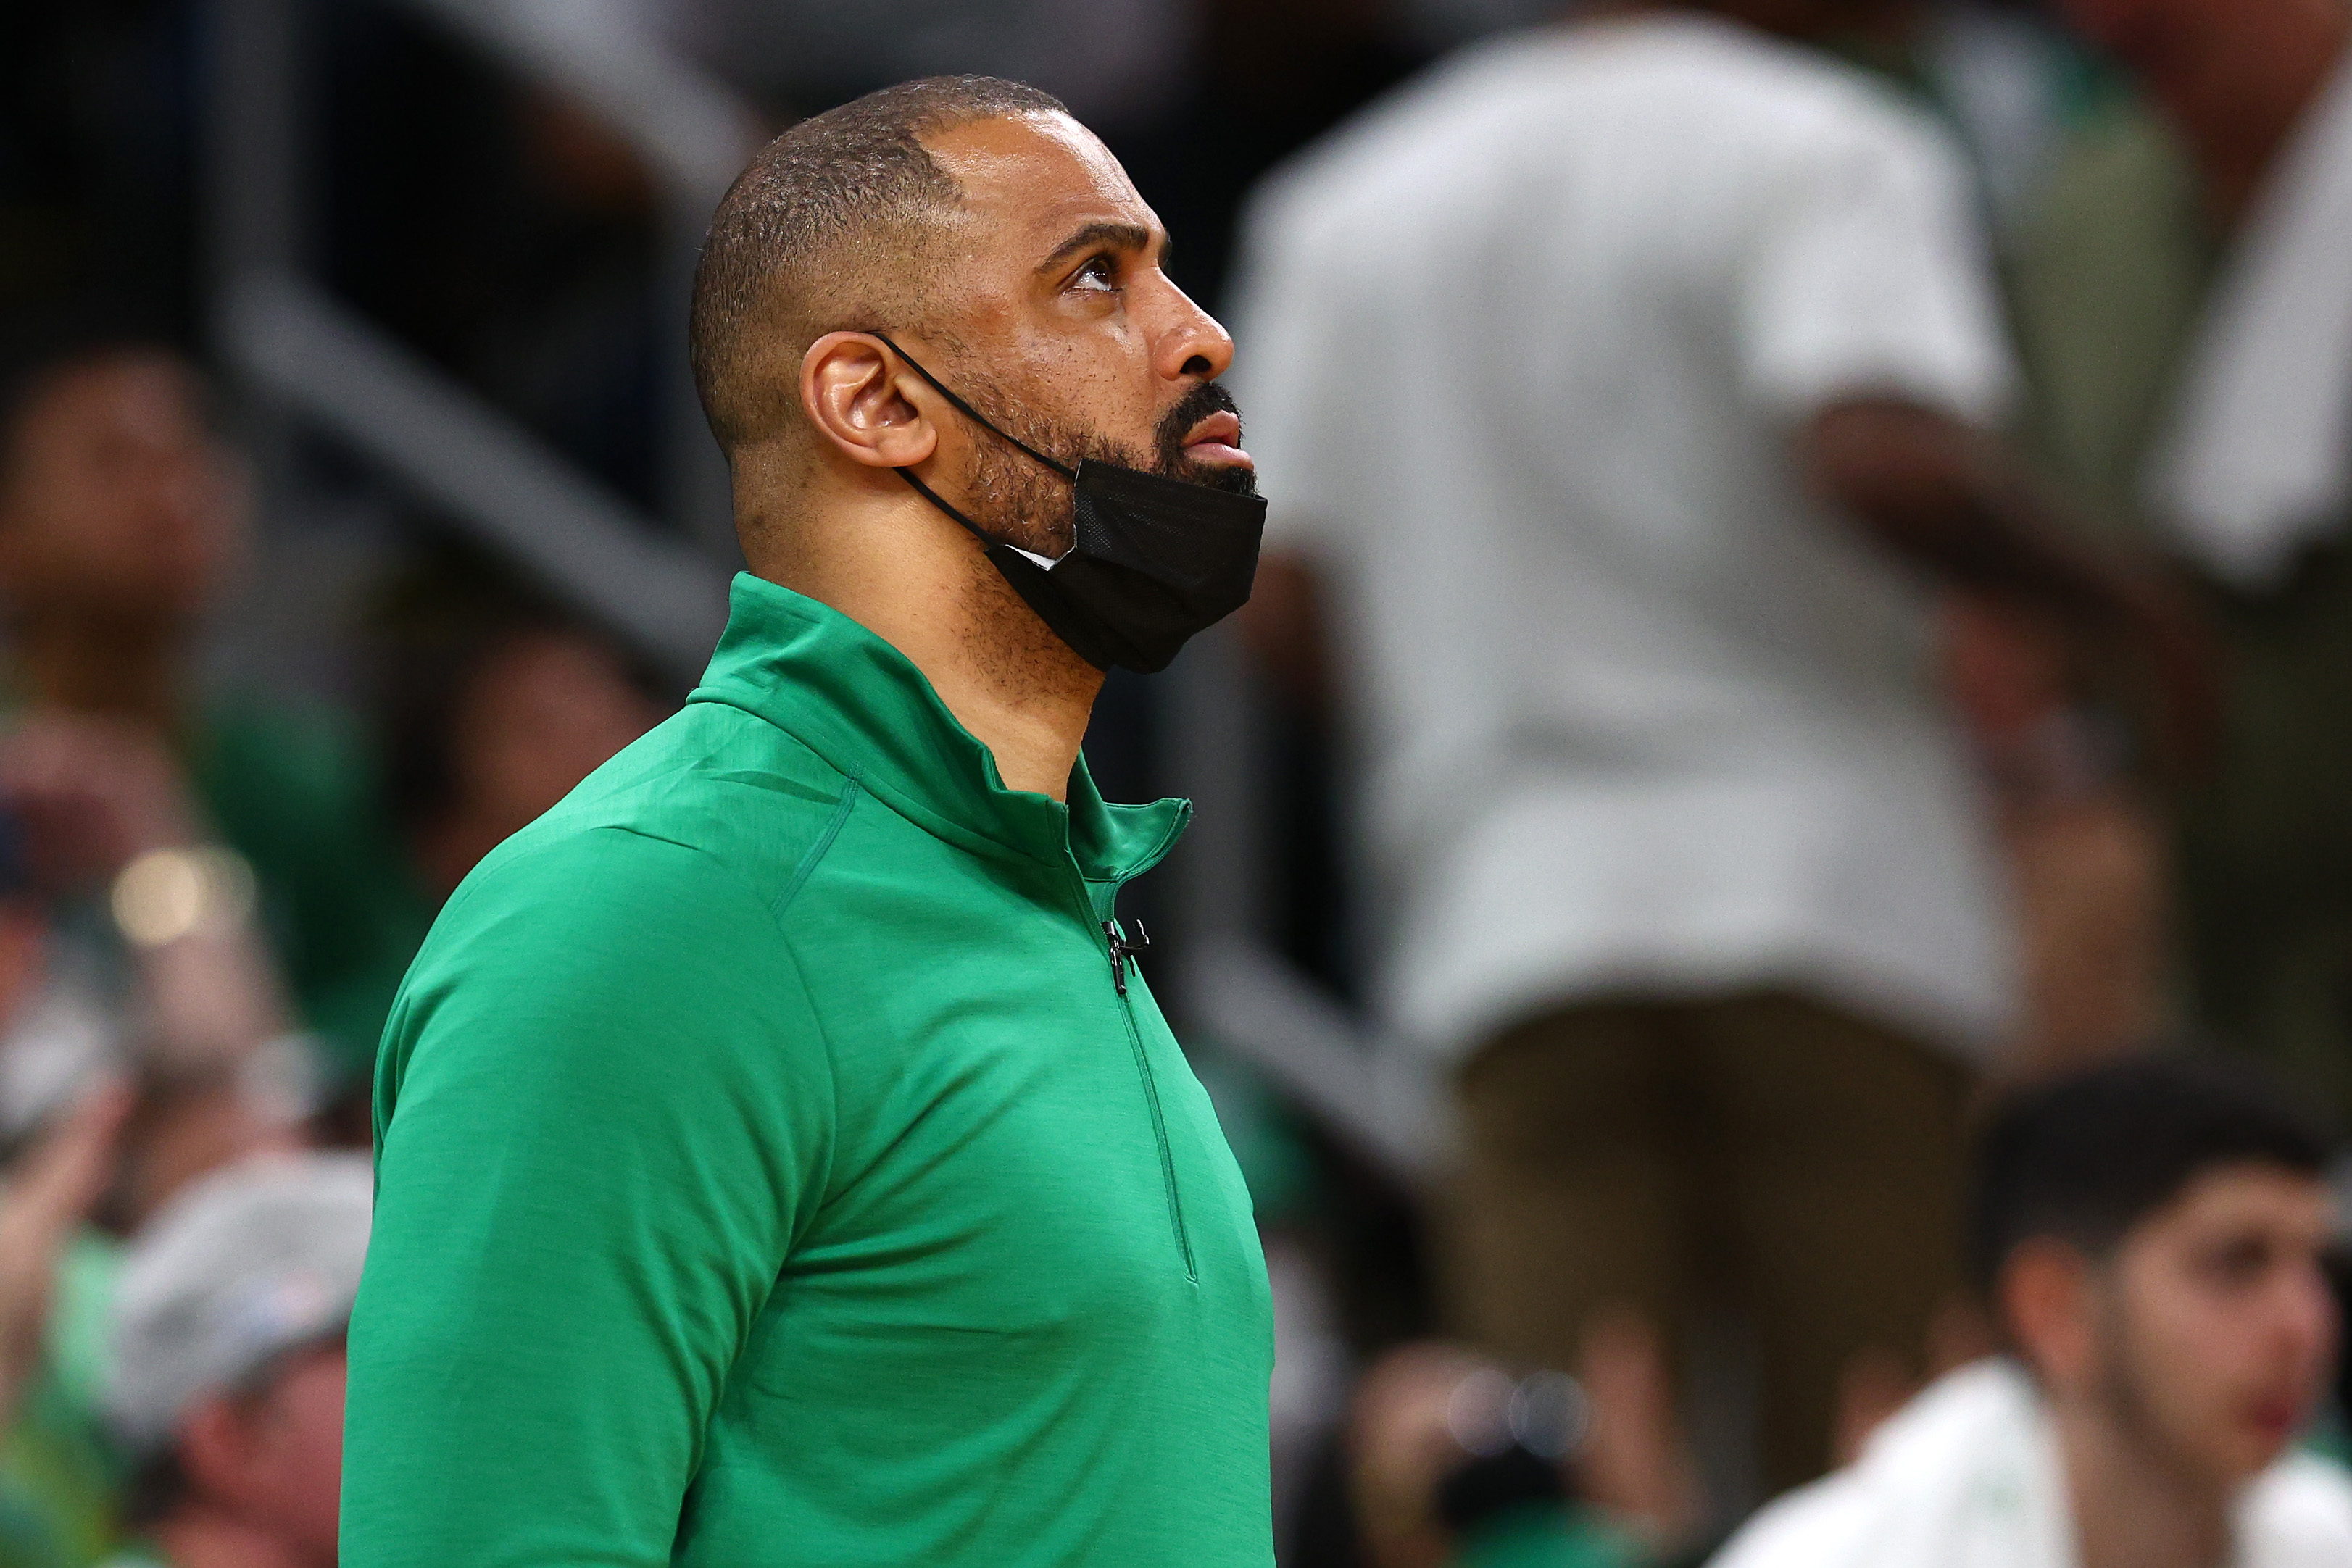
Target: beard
[{"x": 1021, "y": 501}]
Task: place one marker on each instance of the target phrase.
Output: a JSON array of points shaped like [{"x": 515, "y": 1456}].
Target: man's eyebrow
[{"x": 1116, "y": 236}]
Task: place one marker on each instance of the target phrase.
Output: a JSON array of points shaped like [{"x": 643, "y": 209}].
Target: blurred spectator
[
  {"x": 122, "y": 518},
  {"x": 2187, "y": 313},
  {"x": 1612, "y": 383},
  {"x": 141, "y": 958},
  {"x": 2151, "y": 1233},
  {"x": 227, "y": 1381},
  {"x": 1452, "y": 1461},
  {"x": 493, "y": 703}
]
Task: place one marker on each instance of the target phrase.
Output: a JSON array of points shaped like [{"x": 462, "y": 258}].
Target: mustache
[{"x": 1208, "y": 398}]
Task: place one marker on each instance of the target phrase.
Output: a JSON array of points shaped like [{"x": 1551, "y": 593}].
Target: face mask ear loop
[
  {"x": 973, "y": 414},
  {"x": 934, "y": 498}
]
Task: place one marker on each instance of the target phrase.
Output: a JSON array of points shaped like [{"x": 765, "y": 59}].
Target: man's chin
[
  {"x": 2232, "y": 1455},
  {"x": 1232, "y": 478},
  {"x": 2264, "y": 1436}
]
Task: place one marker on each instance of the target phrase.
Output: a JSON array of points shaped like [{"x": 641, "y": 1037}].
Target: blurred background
[{"x": 354, "y": 504}]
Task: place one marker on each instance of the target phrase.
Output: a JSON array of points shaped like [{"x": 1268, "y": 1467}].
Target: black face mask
[{"x": 1151, "y": 560}]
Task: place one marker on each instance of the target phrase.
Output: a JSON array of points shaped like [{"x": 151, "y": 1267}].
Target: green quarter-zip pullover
[{"x": 779, "y": 1163}]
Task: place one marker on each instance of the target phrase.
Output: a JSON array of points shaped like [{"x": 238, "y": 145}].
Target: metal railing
[
  {"x": 313, "y": 361},
  {"x": 352, "y": 380},
  {"x": 1234, "y": 987}
]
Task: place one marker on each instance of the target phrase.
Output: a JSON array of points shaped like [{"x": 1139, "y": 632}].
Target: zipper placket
[{"x": 1122, "y": 954}]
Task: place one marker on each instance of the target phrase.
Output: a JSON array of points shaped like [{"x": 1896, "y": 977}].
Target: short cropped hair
[
  {"x": 2084, "y": 1159},
  {"x": 828, "y": 228}
]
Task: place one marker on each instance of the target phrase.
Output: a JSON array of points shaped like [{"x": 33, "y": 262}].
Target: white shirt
[
  {"x": 2257, "y": 461},
  {"x": 1968, "y": 1476},
  {"x": 1521, "y": 353}
]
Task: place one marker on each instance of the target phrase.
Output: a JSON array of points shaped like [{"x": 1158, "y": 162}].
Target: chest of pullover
[{"x": 784, "y": 1161}]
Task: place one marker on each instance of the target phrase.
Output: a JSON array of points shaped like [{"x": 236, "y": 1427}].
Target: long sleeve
[{"x": 604, "y": 1111}]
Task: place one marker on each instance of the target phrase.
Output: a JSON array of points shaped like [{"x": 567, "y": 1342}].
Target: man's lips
[{"x": 1218, "y": 439}]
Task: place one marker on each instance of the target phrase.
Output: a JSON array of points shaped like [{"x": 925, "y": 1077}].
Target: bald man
[{"x": 782, "y": 1159}]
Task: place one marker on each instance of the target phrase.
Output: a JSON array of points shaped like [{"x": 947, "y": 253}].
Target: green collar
[{"x": 862, "y": 706}]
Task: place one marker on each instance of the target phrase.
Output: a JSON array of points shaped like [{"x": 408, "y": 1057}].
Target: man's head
[
  {"x": 2164, "y": 40},
  {"x": 2151, "y": 1234},
  {"x": 493, "y": 703},
  {"x": 118, "y": 503},
  {"x": 1823, "y": 21},
  {"x": 228, "y": 1380},
  {"x": 977, "y": 224},
  {"x": 2154, "y": 33}
]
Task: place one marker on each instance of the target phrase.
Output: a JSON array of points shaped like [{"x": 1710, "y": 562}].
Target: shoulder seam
[
  {"x": 698, "y": 851},
  {"x": 801, "y": 873},
  {"x": 833, "y": 1083}
]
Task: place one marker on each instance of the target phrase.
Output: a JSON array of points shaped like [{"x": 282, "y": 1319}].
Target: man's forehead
[
  {"x": 131, "y": 389},
  {"x": 2234, "y": 1196},
  {"x": 112, "y": 374},
  {"x": 1039, "y": 178}
]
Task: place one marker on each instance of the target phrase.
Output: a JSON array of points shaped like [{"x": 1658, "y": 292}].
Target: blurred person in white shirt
[
  {"x": 1622, "y": 386},
  {"x": 2151, "y": 1235}
]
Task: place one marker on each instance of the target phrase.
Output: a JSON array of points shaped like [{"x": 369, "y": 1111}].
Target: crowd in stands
[
  {"x": 1808, "y": 551},
  {"x": 208, "y": 902}
]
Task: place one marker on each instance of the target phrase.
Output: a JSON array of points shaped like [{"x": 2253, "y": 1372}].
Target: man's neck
[
  {"x": 2238, "y": 89},
  {"x": 199, "y": 1536},
  {"x": 90, "y": 665},
  {"x": 921, "y": 585},
  {"x": 2131, "y": 1507}
]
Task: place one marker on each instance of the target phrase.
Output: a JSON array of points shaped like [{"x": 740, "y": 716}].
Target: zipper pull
[{"x": 1123, "y": 951}]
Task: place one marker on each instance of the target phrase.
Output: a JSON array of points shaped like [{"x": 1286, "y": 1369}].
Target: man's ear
[
  {"x": 2048, "y": 1295},
  {"x": 859, "y": 402}
]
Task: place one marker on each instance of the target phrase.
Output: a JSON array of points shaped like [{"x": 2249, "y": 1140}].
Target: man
[
  {"x": 123, "y": 519},
  {"x": 2150, "y": 1234},
  {"x": 226, "y": 1382},
  {"x": 1620, "y": 378},
  {"x": 2184, "y": 313},
  {"x": 783, "y": 1159}
]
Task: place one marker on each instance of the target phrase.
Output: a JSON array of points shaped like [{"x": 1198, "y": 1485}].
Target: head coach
[{"x": 781, "y": 1160}]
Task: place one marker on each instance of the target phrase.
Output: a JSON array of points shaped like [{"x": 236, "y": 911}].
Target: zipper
[{"x": 1123, "y": 951}]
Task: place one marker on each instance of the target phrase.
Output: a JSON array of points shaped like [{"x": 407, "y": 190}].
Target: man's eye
[
  {"x": 1100, "y": 275},
  {"x": 2238, "y": 1263}
]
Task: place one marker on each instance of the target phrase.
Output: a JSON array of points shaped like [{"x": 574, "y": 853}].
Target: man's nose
[
  {"x": 2310, "y": 1309},
  {"x": 1192, "y": 343}
]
